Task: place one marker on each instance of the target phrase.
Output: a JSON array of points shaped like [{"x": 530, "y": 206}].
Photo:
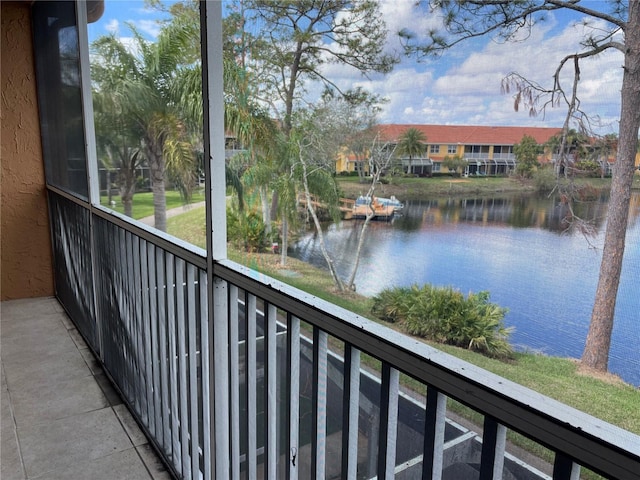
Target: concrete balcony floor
[{"x": 61, "y": 418}]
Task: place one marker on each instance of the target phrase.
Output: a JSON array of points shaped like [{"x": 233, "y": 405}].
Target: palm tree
[
  {"x": 147, "y": 91},
  {"x": 570, "y": 146},
  {"x": 117, "y": 135},
  {"x": 411, "y": 144}
]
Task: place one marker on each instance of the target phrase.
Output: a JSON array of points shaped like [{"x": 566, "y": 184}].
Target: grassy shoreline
[{"x": 412, "y": 188}]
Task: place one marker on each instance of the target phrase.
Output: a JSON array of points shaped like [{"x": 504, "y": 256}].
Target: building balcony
[
  {"x": 231, "y": 374},
  {"x": 155, "y": 345},
  {"x": 61, "y": 417}
]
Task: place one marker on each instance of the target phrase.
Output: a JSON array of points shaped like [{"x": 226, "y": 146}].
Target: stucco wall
[{"x": 26, "y": 248}]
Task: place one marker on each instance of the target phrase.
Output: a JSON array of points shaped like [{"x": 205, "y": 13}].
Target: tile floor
[{"x": 60, "y": 417}]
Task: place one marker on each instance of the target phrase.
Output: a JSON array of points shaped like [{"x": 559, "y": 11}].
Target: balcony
[
  {"x": 229, "y": 374},
  {"x": 61, "y": 418},
  {"x": 255, "y": 379}
]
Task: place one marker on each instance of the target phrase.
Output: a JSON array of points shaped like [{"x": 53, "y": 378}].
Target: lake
[{"x": 517, "y": 248}]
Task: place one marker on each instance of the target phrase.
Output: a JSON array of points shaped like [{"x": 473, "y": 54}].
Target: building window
[
  {"x": 436, "y": 167},
  {"x": 476, "y": 150},
  {"x": 434, "y": 149},
  {"x": 506, "y": 149},
  {"x": 452, "y": 149}
]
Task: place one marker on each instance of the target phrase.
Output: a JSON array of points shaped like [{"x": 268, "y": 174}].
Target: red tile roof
[{"x": 469, "y": 134}]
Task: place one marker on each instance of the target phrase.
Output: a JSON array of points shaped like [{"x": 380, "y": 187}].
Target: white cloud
[
  {"x": 112, "y": 26},
  {"x": 468, "y": 91},
  {"x": 464, "y": 85},
  {"x": 150, "y": 27}
]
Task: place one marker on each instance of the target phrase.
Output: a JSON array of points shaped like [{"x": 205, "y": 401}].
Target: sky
[{"x": 463, "y": 87}]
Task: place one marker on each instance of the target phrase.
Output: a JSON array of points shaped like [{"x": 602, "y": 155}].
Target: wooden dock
[{"x": 346, "y": 205}]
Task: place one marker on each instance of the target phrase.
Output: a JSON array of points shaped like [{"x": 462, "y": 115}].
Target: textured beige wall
[{"x": 26, "y": 268}]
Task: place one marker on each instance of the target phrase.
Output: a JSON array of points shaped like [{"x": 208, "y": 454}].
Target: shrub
[
  {"x": 391, "y": 305},
  {"x": 544, "y": 179},
  {"x": 587, "y": 168},
  {"x": 444, "y": 315},
  {"x": 246, "y": 230}
]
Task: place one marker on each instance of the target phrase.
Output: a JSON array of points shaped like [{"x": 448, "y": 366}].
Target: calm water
[{"x": 516, "y": 248}]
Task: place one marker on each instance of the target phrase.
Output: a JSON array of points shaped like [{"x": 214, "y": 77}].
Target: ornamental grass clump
[{"x": 445, "y": 315}]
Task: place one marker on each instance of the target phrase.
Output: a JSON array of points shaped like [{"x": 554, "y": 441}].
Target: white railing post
[
  {"x": 388, "y": 422},
  {"x": 435, "y": 418},
  {"x": 319, "y": 404},
  {"x": 494, "y": 439},
  {"x": 351, "y": 406},
  {"x": 234, "y": 361},
  {"x": 293, "y": 330},
  {"x": 271, "y": 380}
]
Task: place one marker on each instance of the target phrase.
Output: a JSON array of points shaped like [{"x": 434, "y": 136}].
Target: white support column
[
  {"x": 216, "y": 228},
  {"x": 206, "y": 375},
  {"x": 219, "y": 358},
  {"x": 213, "y": 103},
  {"x": 319, "y": 401},
  {"x": 251, "y": 382},
  {"x": 91, "y": 155}
]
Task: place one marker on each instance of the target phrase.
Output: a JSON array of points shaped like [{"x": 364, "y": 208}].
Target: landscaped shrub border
[{"x": 445, "y": 315}]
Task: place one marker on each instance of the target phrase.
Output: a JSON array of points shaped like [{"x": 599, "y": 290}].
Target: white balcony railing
[{"x": 303, "y": 388}]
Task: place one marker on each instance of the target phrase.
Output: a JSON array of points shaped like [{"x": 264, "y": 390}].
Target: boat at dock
[
  {"x": 365, "y": 206},
  {"x": 392, "y": 201}
]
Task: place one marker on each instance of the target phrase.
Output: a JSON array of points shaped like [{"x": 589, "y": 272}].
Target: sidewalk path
[{"x": 172, "y": 212}]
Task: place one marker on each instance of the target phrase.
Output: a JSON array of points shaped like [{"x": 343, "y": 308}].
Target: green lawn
[
  {"x": 143, "y": 202},
  {"x": 189, "y": 226}
]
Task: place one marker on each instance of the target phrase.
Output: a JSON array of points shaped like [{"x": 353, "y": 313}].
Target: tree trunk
[
  {"x": 109, "y": 196},
  {"x": 352, "y": 278},
  {"x": 596, "y": 351},
  {"x": 266, "y": 217},
  {"x": 316, "y": 222},
  {"x": 375, "y": 177},
  {"x": 285, "y": 241},
  {"x": 156, "y": 167},
  {"x": 127, "y": 183},
  {"x": 127, "y": 189}
]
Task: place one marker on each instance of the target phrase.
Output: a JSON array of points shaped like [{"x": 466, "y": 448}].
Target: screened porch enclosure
[{"x": 232, "y": 374}]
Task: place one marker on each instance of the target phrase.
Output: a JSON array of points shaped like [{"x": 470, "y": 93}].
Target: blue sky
[{"x": 463, "y": 86}]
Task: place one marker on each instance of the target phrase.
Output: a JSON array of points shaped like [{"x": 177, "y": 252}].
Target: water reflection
[
  {"x": 550, "y": 213},
  {"x": 518, "y": 248}
]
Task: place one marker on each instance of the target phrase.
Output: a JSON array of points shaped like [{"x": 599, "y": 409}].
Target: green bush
[
  {"x": 444, "y": 315},
  {"x": 246, "y": 231},
  {"x": 545, "y": 179},
  {"x": 391, "y": 304},
  {"x": 587, "y": 168}
]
